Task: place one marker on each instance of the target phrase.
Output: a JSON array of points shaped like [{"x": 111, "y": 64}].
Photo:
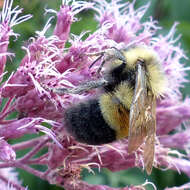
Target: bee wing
[
  {"x": 149, "y": 147},
  {"x": 137, "y": 121},
  {"x": 142, "y": 122}
]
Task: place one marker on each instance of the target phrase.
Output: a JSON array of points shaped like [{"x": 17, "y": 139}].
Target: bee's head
[
  {"x": 112, "y": 56},
  {"x": 121, "y": 65},
  {"x": 154, "y": 73}
]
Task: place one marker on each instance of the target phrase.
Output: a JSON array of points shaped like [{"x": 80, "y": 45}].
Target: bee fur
[
  {"x": 105, "y": 119},
  {"x": 132, "y": 80}
]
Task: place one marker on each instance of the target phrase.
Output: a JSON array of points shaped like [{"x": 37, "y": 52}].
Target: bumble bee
[{"x": 132, "y": 81}]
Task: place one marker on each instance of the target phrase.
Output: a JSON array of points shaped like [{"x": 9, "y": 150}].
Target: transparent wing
[
  {"x": 137, "y": 124},
  {"x": 142, "y": 123},
  {"x": 149, "y": 147}
]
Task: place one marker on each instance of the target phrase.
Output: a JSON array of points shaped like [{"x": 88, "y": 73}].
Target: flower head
[
  {"x": 6, "y": 151},
  {"x": 8, "y": 19},
  {"x": 9, "y": 179}
]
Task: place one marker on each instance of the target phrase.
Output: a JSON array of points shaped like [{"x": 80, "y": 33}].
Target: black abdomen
[{"x": 86, "y": 123}]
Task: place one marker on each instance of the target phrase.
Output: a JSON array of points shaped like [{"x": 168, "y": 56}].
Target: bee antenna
[
  {"x": 96, "y": 60},
  {"x": 100, "y": 68}
]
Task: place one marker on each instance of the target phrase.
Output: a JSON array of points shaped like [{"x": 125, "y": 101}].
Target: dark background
[{"x": 167, "y": 12}]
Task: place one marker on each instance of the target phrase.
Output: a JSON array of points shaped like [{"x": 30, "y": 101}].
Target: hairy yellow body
[
  {"x": 127, "y": 107},
  {"x": 115, "y": 107},
  {"x": 155, "y": 77},
  {"x": 115, "y": 114}
]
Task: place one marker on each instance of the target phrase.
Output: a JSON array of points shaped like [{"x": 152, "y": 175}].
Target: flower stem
[
  {"x": 3, "y": 115},
  {"x": 34, "y": 150},
  {"x": 6, "y": 106},
  {"x": 27, "y": 144}
]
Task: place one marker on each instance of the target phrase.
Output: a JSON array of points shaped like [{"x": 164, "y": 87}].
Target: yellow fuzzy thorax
[
  {"x": 115, "y": 115},
  {"x": 156, "y": 79},
  {"x": 116, "y": 106}
]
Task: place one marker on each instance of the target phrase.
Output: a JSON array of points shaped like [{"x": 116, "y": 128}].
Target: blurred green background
[{"x": 167, "y": 12}]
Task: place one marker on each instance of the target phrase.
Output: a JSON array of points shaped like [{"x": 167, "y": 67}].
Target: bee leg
[{"x": 81, "y": 88}]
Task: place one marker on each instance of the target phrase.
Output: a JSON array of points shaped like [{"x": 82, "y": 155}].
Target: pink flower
[
  {"x": 7, "y": 21},
  {"x": 48, "y": 64},
  {"x": 9, "y": 180},
  {"x": 6, "y": 151}
]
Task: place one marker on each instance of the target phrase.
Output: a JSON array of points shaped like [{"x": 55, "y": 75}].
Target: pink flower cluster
[{"x": 48, "y": 63}]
